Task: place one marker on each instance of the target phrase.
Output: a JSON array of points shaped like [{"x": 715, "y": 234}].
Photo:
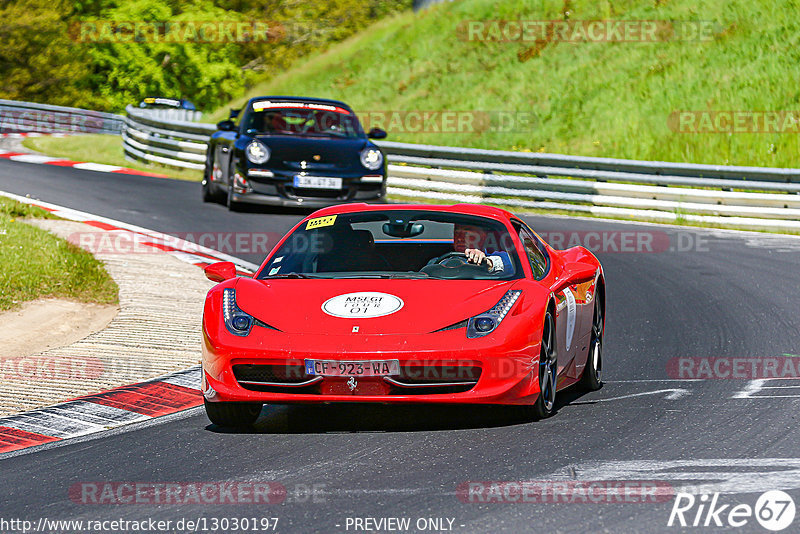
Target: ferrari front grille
[
  {"x": 273, "y": 375},
  {"x": 437, "y": 374}
]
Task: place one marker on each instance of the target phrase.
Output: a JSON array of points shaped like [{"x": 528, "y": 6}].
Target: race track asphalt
[{"x": 715, "y": 294}]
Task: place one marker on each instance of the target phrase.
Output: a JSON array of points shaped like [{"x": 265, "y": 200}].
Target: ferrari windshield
[
  {"x": 301, "y": 119},
  {"x": 396, "y": 244}
]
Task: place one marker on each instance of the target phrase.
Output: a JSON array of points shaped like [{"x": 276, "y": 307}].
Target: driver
[{"x": 467, "y": 239}]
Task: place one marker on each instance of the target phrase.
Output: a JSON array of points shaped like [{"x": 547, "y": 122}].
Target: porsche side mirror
[
  {"x": 226, "y": 125},
  {"x": 574, "y": 273},
  {"x": 220, "y": 271},
  {"x": 377, "y": 133}
]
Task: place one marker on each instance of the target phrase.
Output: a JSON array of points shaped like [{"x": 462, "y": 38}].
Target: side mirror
[
  {"x": 226, "y": 125},
  {"x": 377, "y": 133},
  {"x": 575, "y": 273},
  {"x": 220, "y": 271}
]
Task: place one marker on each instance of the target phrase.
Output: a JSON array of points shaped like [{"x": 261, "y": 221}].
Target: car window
[
  {"x": 396, "y": 244},
  {"x": 301, "y": 119},
  {"x": 534, "y": 249}
]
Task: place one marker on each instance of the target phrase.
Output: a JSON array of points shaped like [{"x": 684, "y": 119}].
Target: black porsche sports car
[{"x": 292, "y": 151}]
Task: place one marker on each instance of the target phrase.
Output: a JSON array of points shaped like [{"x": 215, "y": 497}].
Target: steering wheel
[
  {"x": 456, "y": 266},
  {"x": 454, "y": 260}
]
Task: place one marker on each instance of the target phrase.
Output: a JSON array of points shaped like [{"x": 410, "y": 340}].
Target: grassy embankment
[
  {"x": 36, "y": 263},
  {"x": 610, "y": 99}
]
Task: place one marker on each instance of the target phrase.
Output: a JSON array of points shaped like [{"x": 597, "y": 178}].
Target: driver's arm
[{"x": 478, "y": 256}]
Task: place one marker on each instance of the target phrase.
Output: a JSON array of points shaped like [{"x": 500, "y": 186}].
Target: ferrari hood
[{"x": 366, "y": 306}]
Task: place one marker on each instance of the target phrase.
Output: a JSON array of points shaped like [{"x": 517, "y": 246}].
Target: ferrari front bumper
[{"x": 442, "y": 369}]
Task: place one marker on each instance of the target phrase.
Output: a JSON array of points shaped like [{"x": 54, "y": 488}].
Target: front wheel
[
  {"x": 592, "y": 373},
  {"x": 232, "y": 204},
  {"x": 208, "y": 194},
  {"x": 232, "y": 414},
  {"x": 548, "y": 371}
]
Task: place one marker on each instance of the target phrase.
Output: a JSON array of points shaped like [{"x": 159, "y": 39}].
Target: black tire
[
  {"x": 232, "y": 414},
  {"x": 232, "y": 204},
  {"x": 591, "y": 380},
  {"x": 208, "y": 194},
  {"x": 548, "y": 371},
  {"x": 210, "y": 191}
]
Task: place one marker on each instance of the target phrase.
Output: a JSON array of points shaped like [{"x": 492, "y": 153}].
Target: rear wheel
[
  {"x": 592, "y": 373},
  {"x": 210, "y": 176},
  {"x": 548, "y": 370},
  {"x": 232, "y": 414}
]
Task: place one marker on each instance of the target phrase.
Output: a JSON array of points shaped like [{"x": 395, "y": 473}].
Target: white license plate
[
  {"x": 318, "y": 182},
  {"x": 360, "y": 368}
]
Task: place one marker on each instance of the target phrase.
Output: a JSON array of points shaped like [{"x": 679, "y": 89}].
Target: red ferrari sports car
[{"x": 403, "y": 304}]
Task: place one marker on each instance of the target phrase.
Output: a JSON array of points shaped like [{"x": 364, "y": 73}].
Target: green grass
[
  {"x": 101, "y": 148},
  {"x": 36, "y": 263},
  {"x": 593, "y": 99}
]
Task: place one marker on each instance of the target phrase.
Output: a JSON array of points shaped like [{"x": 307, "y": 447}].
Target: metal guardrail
[
  {"x": 537, "y": 162},
  {"x": 16, "y": 117},
  {"x": 177, "y": 143},
  {"x": 172, "y": 114},
  {"x": 748, "y": 197}
]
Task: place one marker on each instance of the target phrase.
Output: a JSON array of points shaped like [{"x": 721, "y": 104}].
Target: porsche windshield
[
  {"x": 396, "y": 244},
  {"x": 301, "y": 119}
]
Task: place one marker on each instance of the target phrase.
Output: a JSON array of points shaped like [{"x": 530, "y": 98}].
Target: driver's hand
[{"x": 477, "y": 256}]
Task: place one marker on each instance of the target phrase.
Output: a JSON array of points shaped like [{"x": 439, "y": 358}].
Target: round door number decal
[{"x": 363, "y": 305}]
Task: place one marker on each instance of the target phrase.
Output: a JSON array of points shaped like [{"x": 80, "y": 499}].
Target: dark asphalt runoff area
[{"x": 700, "y": 296}]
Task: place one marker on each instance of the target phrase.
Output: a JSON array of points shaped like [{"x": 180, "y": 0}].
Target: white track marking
[
  {"x": 152, "y": 421},
  {"x": 97, "y": 167},
  {"x": 50, "y": 424},
  {"x": 655, "y": 380},
  {"x": 33, "y": 158},
  {"x": 755, "y": 386},
  {"x": 673, "y": 394},
  {"x": 743, "y": 475},
  {"x": 94, "y": 413},
  {"x": 190, "y": 378}
]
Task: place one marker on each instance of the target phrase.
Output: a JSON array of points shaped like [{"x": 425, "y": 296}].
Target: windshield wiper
[
  {"x": 412, "y": 275},
  {"x": 291, "y": 275}
]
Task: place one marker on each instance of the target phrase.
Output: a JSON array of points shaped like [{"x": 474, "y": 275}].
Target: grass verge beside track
[
  {"x": 101, "y": 148},
  {"x": 590, "y": 98},
  {"x": 36, "y": 264}
]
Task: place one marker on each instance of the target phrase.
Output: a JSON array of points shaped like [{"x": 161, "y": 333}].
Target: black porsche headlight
[
  {"x": 237, "y": 322},
  {"x": 372, "y": 158},
  {"x": 486, "y": 322},
  {"x": 257, "y": 152}
]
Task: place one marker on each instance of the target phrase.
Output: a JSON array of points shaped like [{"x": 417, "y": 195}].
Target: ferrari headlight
[
  {"x": 237, "y": 322},
  {"x": 372, "y": 158},
  {"x": 488, "y": 321},
  {"x": 257, "y": 152}
]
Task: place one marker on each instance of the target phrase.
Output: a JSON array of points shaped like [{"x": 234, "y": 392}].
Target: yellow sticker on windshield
[{"x": 319, "y": 222}]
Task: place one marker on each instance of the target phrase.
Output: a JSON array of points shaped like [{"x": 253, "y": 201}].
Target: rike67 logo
[{"x": 773, "y": 510}]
